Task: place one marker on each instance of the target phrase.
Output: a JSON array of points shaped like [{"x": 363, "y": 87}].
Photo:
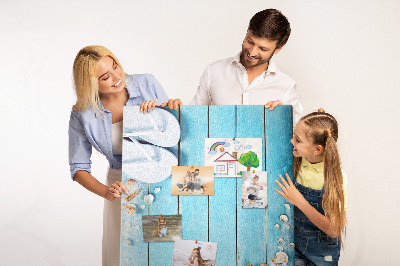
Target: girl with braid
[
  {"x": 196, "y": 259},
  {"x": 319, "y": 193}
]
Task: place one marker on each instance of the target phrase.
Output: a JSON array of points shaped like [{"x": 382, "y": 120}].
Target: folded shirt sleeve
[{"x": 80, "y": 149}]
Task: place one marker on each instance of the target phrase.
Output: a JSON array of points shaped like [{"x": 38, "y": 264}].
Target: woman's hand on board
[
  {"x": 289, "y": 191},
  {"x": 115, "y": 191},
  {"x": 172, "y": 104},
  {"x": 147, "y": 106}
]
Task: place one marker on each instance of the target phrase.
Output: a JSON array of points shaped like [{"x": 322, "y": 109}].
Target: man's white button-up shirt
[{"x": 225, "y": 82}]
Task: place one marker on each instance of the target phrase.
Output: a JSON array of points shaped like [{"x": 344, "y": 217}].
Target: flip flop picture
[{"x": 158, "y": 127}]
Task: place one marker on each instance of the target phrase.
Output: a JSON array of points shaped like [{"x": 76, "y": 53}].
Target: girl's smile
[{"x": 303, "y": 147}]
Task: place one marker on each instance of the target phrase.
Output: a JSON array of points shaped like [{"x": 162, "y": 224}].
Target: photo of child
[
  {"x": 194, "y": 253},
  {"x": 162, "y": 228},
  {"x": 192, "y": 180},
  {"x": 254, "y": 189}
]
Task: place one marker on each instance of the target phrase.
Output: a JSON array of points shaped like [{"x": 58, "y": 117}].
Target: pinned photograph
[
  {"x": 230, "y": 157},
  {"x": 192, "y": 180},
  {"x": 190, "y": 252},
  {"x": 162, "y": 228},
  {"x": 254, "y": 189}
]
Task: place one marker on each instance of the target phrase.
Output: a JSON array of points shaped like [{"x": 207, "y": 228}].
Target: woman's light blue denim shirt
[{"x": 86, "y": 129}]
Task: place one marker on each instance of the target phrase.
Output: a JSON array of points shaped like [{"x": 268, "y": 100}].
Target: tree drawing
[{"x": 249, "y": 159}]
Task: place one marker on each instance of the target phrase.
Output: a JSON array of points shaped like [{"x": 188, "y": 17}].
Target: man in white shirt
[{"x": 251, "y": 78}]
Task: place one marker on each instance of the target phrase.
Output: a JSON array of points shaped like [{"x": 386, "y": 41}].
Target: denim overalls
[{"x": 313, "y": 247}]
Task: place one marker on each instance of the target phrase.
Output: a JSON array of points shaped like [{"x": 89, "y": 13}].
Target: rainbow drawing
[{"x": 216, "y": 144}]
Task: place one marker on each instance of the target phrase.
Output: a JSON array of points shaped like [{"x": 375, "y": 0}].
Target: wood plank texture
[
  {"x": 194, "y": 209},
  {"x": 251, "y": 222},
  {"x": 222, "y": 205},
  {"x": 244, "y": 236},
  {"x": 278, "y": 124}
]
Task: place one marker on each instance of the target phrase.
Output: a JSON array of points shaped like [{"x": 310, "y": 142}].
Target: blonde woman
[{"x": 103, "y": 89}]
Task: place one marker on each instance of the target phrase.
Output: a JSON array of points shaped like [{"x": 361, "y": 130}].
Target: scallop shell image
[
  {"x": 287, "y": 205},
  {"x": 280, "y": 240},
  {"x": 281, "y": 258},
  {"x": 142, "y": 207},
  {"x": 284, "y": 218},
  {"x": 288, "y": 226},
  {"x": 130, "y": 184},
  {"x": 277, "y": 226},
  {"x": 148, "y": 199},
  {"x": 130, "y": 208},
  {"x": 157, "y": 189},
  {"x": 291, "y": 244}
]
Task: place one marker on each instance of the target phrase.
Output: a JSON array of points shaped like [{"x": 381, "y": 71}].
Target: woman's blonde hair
[
  {"x": 86, "y": 83},
  {"x": 322, "y": 129}
]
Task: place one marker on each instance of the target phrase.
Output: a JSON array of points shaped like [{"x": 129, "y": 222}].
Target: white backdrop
[{"x": 344, "y": 56}]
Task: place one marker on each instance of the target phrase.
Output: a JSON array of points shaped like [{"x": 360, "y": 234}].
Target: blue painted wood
[
  {"x": 137, "y": 252},
  {"x": 251, "y": 247},
  {"x": 220, "y": 218},
  {"x": 278, "y": 134},
  {"x": 222, "y": 205},
  {"x": 166, "y": 204},
  {"x": 194, "y": 209}
]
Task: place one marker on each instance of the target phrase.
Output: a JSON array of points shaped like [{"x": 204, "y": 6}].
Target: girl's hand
[
  {"x": 148, "y": 106},
  {"x": 173, "y": 104},
  {"x": 115, "y": 191},
  {"x": 290, "y": 192}
]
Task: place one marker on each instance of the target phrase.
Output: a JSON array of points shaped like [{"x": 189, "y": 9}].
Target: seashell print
[
  {"x": 280, "y": 240},
  {"x": 133, "y": 195},
  {"x": 157, "y": 189},
  {"x": 130, "y": 208},
  {"x": 277, "y": 226},
  {"x": 130, "y": 184},
  {"x": 142, "y": 207},
  {"x": 284, "y": 218},
  {"x": 287, "y": 205},
  {"x": 128, "y": 242},
  {"x": 281, "y": 258}
]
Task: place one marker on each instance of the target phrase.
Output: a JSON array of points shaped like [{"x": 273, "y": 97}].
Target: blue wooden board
[
  {"x": 222, "y": 210},
  {"x": 251, "y": 222},
  {"x": 243, "y": 235}
]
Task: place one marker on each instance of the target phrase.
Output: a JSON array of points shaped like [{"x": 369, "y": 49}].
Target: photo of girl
[
  {"x": 192, "y": 180},
  {"x": 194, "y": 253}
]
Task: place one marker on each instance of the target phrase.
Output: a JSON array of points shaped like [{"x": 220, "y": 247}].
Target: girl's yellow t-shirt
[{"x": 312, "y": 175}]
